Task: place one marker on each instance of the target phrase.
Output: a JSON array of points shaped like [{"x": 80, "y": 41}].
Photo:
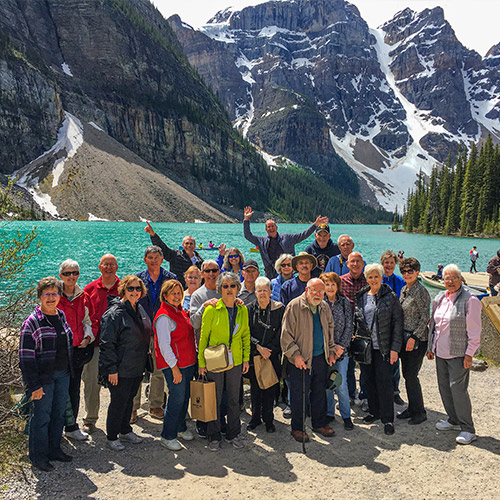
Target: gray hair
[
  {"x": 153, "y": 249},
  {"x": 49, "y": 282},
  {"x": 374, "y": 267},
  {"x": 206, "y": 262},
  {"x": 227, "y": 276},
  {"x": 280, "y": 260},
  {"x": 344, "y": 236},
  {"x": 69, "y": 263},
  {"x": 452, "y": 268},
  {"x": 263, "y": 281}
]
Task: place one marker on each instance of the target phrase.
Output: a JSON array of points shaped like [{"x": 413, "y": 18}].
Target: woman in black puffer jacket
[
  {"x": 378, "y": 315},
  {"x": 265, "y": 317},
  {"x": 124, "y": 346}
]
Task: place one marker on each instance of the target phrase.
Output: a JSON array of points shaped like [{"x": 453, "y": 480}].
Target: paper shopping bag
[
  {"x": 264, "y": 372},
  {"x": 203, "y": 400}
]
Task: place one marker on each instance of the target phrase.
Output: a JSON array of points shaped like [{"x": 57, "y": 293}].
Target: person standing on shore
[
  {"x": 474, "y": 255},
  {"x": 454, "y": 338},
  {"x": 180, "y": 260},
  {"x": 153, "y": 277},
  {"x": 323, "y": 248},
  {"x": 389, "y": 260},
  {"x": 307, "y": 340},
  {"x": 493, "y": 270},
  {"x": 275, "y": 244},
  {"x": 98, "y": 292},
  {"x": 338, "y": 264}
]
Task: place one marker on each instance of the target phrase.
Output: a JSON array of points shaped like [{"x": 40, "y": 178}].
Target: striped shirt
[{"x": 37, "y": 348}]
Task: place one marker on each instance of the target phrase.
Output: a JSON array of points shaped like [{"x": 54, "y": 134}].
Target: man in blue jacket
[
  {"x": 275, "y": 244},
  {"x": 153, "y": 277}
]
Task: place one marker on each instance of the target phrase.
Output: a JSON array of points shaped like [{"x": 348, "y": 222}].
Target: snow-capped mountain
[{"x": 310, "y": 81}]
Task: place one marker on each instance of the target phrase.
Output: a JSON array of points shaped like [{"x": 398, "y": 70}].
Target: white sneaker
[
  {"x": 236, "y": 442},
  {"x": 444, "y": 425},
  {"x": 171, "y": 444},
  {"x": 466, "y": 438},
  {"x": 131, "y": 437},
  {"x": 77, "y": 435},
  {"x": 186, "y": 435},
  {"x": 115, "y": 445}
]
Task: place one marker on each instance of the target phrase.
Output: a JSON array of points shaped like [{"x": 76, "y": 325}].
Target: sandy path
[{"x": 416, "y": 462}]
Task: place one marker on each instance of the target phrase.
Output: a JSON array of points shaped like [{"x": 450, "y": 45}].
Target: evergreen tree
[{"x": 468, "y": 211}]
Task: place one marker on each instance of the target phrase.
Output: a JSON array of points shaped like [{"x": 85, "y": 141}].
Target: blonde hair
[{"x": 168, "y": 286}]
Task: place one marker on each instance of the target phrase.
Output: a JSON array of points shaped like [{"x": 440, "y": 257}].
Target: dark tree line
[{"x": 458, "y": 199}]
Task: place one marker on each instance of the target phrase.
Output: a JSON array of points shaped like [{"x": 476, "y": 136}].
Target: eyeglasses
[
  {"x": 70, "y": 273},
  {"x": 233, "y": 256},
  {"x": 407, "y": 271},
  {"x": 134, "y": 288},
  {"x": 225, "y": 286},
  {"x": 50, "y": 295},
  {"x": 109, "y": 265},
  {"x": 211, "y": 270},
  {"x": 286, "y": 265},
  {"x": 451, "y": 279}
]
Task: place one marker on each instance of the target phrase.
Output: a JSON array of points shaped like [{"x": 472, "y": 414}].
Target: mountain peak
[{"x": 494, "y": 51}]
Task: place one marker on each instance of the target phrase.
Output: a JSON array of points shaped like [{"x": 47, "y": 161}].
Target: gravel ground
[{"x": 416, "y": 462}]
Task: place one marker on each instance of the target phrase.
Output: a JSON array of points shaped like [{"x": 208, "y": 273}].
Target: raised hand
[
  {"x": 149, "y": 229},
  {"x": 247, "y": 213},
  {"x": 222, "y": 249},
  {"x": 320, "y": 220}
]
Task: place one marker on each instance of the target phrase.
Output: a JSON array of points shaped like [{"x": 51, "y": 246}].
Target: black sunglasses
[
  {"x": 211, "y": 270},
  {"x": 232, "y": 285},
  {"x": 70, "y": 273},
  {"x": 407, "y": 271},
  {"x": 134, "y": 288}
]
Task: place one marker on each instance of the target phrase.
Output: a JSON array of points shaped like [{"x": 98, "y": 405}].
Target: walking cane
[{"x": 304, "y": 411}]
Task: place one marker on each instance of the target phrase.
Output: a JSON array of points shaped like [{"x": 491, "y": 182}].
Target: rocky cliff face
[
  {"x": 117, "y": 64},
  {"x": 315, "y": 84}
]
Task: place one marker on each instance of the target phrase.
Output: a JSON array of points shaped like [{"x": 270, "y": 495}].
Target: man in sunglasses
[
  {"x": 98, "y": 292},
  {"x": 250, "y": 273},
  {"x": 180, "y": 260},
  {"x": 153, "y": 277},
  {"x": 275, "y": 244}
]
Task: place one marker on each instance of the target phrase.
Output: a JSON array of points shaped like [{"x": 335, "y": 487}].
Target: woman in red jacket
[
  {"x": 76, "y": 306},
  {"x": 176, "y": 357}
]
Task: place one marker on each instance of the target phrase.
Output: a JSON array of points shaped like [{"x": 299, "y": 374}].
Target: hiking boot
[
  {"x": 325, "y": 431},
  {"x": 297, "y": 435}
]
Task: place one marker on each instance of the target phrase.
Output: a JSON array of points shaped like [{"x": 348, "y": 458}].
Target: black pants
[
  {"x": 315, "y": 392},
  {"x": 411, "y": 362},
  {"x": 380, "y": 387},
  {"x": 262, "y": 400},
  {"x": 473, "y": 266},
  {"x": 74, "y": 396},
  {"x": 120, "y": 407}
]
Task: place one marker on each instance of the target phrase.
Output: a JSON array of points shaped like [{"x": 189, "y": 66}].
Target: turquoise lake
[{"x": 85, "y": 242}]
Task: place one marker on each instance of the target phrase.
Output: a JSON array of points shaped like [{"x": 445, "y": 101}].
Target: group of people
[{"x": 300, "y": 318}]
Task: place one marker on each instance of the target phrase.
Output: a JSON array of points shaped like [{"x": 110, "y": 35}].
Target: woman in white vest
[{"x": 454, "y": 337}]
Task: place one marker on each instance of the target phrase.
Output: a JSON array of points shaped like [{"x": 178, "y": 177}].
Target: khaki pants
[
  {"x": 157, "y": 387},
  {"x": 91, "y": 388}
]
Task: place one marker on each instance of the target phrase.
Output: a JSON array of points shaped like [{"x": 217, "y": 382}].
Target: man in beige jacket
[{"x": 307, "y": 342}]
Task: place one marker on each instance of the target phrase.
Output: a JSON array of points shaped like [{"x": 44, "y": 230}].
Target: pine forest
[{"x": 461, "y": 199}]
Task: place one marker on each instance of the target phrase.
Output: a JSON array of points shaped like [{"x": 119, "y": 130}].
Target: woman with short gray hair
[
  {"x": 454, "y": 338},
  {"x": 75, "y": 304},
  {"x": 284, "y": 269},
  {"x": 378, "y": 316},
  {"x": 226, "y": 323},
  {"x": 265, "y": 318}
]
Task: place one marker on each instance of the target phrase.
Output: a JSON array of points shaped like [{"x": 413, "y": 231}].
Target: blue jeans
[
  {"x": 47, "y": 423},
  {"x": 342, "y": 392},
  {"x": 174, "y": 420}
]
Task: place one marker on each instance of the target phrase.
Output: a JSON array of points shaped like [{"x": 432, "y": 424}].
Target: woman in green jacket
[{"x": 226, "y": 323}]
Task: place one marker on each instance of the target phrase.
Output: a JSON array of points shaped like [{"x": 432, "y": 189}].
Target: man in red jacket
[{"x": 98, "y": 291}]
